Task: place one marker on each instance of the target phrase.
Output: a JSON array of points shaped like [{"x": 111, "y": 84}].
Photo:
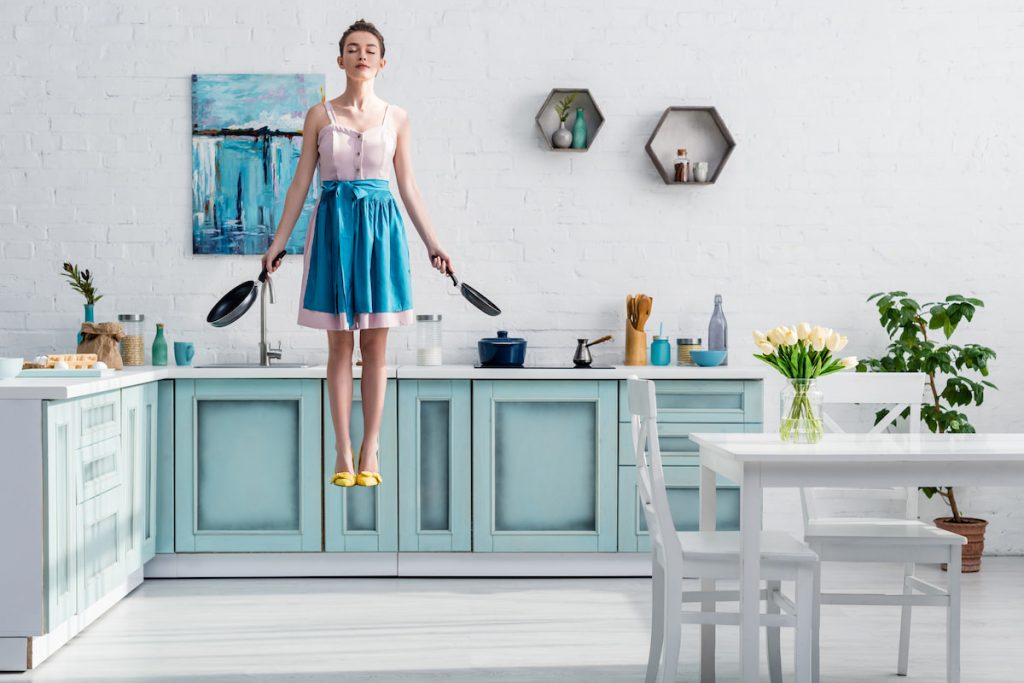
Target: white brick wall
[{"x": 877, "y": 144}]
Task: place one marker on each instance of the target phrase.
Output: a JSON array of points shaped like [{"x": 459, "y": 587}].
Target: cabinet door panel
[
  {"x": 101, "y": 546},
  {"x": 247, "y": 465},
  {"x": 434, "y": 465},
  {"x": 61, "y": 578},
  {"x": 682, "y": 484},
  {"x": 362, "y": 519},
  {"x": 544, "y": 465}
]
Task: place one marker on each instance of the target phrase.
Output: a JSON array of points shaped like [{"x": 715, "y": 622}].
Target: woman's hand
[
  {"x": 272, "y": 251},
  {"x": 440, "y": 259}
]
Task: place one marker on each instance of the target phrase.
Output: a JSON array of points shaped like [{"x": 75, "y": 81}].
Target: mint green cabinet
[
  {"x": 702, "y": 401},
  {"x": 61, "y": 562},
  {"x": 164, "y": 506},
  {"x": 247, "y": 465},
  {"x": 361, "y": 518},
  {"x": 434, "y": 465},
  {"x": 684, "y": 406},
  {"x": 138, "y": 444},
  {"x": 544, "y": 465},
  {"x": 102, "y": 526},
  {"x": 682, "y": 484}
]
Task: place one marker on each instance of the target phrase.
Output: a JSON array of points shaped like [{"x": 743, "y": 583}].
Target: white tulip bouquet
[{"x": 802, "y": 354}]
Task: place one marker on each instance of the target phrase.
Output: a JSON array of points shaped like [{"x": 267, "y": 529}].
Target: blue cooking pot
[{"x": 502, "y": 351}]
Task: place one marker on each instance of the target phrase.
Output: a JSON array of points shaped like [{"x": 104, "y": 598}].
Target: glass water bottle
[{"x": 718, "y": 330}]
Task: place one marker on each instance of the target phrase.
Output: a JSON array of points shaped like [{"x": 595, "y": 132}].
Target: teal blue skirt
[{"x": 359, "y": 257}]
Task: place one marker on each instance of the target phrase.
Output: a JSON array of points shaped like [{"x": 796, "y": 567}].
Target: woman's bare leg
[
  {"x": 372, "y": 345},
  {"x": 339, "y": 389}
]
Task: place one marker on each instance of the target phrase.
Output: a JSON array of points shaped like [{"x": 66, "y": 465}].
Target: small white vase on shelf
[{"x": 562, "y": 137}]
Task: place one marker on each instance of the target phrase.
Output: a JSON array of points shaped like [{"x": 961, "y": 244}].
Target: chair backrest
[
  {"x": 898, "y": 392},
  {"x": 650, "y": 477}
]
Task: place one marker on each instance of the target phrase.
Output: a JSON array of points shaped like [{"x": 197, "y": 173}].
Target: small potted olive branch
[
  {"x": 81, "y": 281},
  {"x": 911, "y": 350},
  {"x": 562, "y": 137},
  {"x": 563, "y": 106}
]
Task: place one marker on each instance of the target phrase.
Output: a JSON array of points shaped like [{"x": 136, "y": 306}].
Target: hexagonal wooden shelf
[
  {"x": 701, "y": 131},
  {"x": 547, "y": 119}
]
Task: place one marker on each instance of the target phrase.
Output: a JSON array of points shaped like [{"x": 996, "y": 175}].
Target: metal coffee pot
[{"x": 582, "y": 357}]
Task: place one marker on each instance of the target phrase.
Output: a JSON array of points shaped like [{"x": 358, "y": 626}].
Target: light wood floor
[{"x": 470, "y": 630}]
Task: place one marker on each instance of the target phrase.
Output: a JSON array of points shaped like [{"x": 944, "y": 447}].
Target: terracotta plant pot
[{"x": 974, "y": 531}]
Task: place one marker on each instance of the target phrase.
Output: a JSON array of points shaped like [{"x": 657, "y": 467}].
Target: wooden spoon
[{"x": 644, "y": 311}]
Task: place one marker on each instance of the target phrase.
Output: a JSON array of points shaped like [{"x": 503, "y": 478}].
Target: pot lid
[{"x": 503, "y": 338}]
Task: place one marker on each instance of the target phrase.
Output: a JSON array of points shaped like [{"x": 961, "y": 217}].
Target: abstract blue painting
[{"x": 246, "y": 142}]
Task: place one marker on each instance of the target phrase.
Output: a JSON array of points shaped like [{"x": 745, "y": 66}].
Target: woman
[{"x": 356, "y": 264}]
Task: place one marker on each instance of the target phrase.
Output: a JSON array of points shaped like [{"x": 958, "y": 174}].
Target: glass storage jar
[
  {"x": 683, "y": 347},
  {"x": 661, "y": 352},
  {"x": 428, "y": 339},
  {"x": 133, "y": 352}
]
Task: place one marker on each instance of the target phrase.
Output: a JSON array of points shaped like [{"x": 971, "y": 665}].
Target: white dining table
[{"x": 760, "y": 461}]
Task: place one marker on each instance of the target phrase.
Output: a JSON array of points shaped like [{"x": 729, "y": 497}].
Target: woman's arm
[
  {"x": 299, "y": 188},
  {"x": 412, "y": 198}
]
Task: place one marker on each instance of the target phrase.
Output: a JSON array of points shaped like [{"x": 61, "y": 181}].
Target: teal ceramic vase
[{"x": 88, "y": 318}]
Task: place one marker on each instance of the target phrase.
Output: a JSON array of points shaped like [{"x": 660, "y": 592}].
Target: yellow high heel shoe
[
  {"x": 366, "y": 477},
  {"x": 344, "y": 479}
]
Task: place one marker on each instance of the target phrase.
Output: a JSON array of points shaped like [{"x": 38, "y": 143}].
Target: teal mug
[{"x": 183, "y": 352}]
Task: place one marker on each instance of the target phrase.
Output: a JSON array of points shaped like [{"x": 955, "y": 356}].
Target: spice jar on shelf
[
  {"x": 682, "y": 166},
  {"x": 133, "y": 352},
  {"x": 683, "y": 347}
]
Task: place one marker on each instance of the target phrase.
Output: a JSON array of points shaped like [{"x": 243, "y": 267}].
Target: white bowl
[{"x": 10, "y": 367}]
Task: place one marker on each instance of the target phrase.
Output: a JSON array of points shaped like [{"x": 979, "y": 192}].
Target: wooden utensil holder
[{"x": 636, "y": 346}]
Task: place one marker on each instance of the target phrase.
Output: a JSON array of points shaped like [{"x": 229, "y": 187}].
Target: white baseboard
[{"x": 221, "y": 565}]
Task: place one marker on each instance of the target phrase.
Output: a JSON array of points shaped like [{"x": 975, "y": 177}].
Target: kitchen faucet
[{"x": 267, "y": 352}]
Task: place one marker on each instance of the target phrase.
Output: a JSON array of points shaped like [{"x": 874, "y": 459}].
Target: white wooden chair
[
  {"x": 836, "y": 535},
  {"x": 711, "y": 555}
]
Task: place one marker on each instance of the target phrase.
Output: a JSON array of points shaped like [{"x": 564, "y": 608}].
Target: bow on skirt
[{"x": 360, "y": 260}]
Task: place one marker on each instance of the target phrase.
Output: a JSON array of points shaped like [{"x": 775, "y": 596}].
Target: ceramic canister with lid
[
  {"x": 428, "y": 339},
  {"x": 133, "y": 351}
]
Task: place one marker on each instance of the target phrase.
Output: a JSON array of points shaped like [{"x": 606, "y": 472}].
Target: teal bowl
[{"x": 707, "y": 359}]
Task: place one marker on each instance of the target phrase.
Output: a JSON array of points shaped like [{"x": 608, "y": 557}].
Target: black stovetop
[{"x": 541, "y": 367}]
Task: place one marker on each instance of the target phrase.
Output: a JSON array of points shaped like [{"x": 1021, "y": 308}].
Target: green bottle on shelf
[
  {"x": 159, "y": 346},
  {"x": 579, "y": 131}
]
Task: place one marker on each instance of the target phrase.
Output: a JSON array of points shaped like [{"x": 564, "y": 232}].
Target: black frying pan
[
  {"x": 235, "y": 303},
  {"x": 476, "y": 298}
]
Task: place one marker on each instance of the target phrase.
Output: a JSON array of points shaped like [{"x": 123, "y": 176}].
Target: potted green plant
[
  {"x": 955, "y": 379},
  {"x": 562, "y": 137},
  {"x": 81, "y": 282}
]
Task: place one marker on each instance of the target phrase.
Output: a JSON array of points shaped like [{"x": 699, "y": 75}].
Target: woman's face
[{"x": 360, "y": 57}]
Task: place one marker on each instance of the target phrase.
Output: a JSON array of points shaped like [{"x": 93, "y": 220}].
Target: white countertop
[{"x": 71, "y": 387}]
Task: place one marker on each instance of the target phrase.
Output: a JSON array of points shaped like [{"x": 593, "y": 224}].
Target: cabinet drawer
[
  {"x": 99, "y": 417},
  {"x": 673, "y": 437},
  {"x": 101, "y": 534},
  {"x": 686, "y": 400},
  {"x": 683, "y": 487},
  {"x": 98, "y": 467}
]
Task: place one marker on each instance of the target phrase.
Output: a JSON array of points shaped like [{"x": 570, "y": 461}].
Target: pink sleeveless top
[{"x": 347, "y": 154}]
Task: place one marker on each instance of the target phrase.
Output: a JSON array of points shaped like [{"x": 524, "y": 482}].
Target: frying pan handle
[
  {"x": 263, "y": 273},
  {"x": 454, "y": 281}
]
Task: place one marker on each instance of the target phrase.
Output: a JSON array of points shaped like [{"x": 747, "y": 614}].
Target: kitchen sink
[{"x": 255, "y": 365}]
